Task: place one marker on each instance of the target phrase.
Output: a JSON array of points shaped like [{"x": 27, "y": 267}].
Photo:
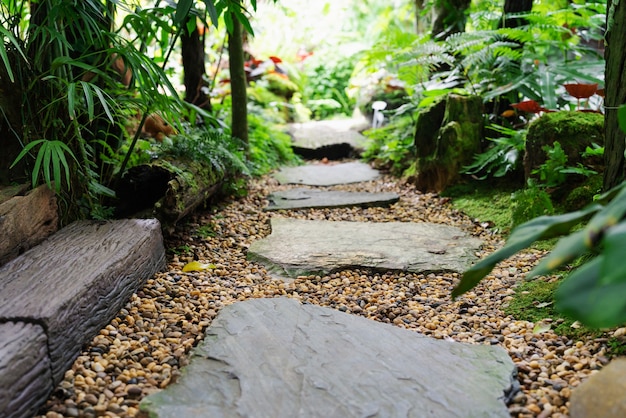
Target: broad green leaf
[
  {"x": 567, "y": 249},
  {"x": 613, "y": 268},
  {"x": 543, "y": 227},
  {"x": 582, "y": 297},
  {"x": 612, "y": 213}
]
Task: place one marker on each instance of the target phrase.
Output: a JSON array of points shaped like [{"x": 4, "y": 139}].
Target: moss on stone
[{"x": 573, "y": 130}]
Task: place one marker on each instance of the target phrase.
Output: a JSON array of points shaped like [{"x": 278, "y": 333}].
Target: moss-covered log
[{"x": 166, "y": 189}]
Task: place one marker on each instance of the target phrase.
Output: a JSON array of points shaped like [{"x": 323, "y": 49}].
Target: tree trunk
[
  {"x": 615, "y": 88},
  {"x": 193, "y": 66},
  {"x": 420, "y": 26},
  {"x": 238, "y": 82},
  {"x": 449, "y": 18},
  {"x": 515, "y": 6}
]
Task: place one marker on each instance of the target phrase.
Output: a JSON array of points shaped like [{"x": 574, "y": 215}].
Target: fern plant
[{"x": 502, "y": 155}]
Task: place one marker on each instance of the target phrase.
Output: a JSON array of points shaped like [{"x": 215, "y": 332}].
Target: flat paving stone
[
  {"x": 316, "y": 134},
  {"x": 301, "y": 198},
  {"x": 326, "y": 174},
  {"x": 278, "y": 358},
  {"x": 304, "y": 247}
]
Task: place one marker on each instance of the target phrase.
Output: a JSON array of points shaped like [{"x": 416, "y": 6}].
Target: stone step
[
  {"x": 326, "y": 174},
  {"x": 298, "y": 247},
  {"x": 316, "y": 134},
  {"x": 277, "y": 358},
  {"x": 301, "y": 198},
  {"x": 55, "y": 297}
]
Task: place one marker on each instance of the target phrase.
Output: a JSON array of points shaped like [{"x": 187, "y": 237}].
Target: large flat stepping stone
[
  {"x": 69, "y": 287},
  {"x": 278, "y": 358},
  {"x": 326, "y": 174},
  {"x": 306, "y": 198},
  {"x": 317, "y": 134},
  {"x": 304, "y": 247}
]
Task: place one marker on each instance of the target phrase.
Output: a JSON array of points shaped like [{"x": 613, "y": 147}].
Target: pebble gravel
[{"x": 144, "y": 347}]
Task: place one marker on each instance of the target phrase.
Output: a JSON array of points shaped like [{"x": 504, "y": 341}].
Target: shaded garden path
[{"x": 144, "y": 348}]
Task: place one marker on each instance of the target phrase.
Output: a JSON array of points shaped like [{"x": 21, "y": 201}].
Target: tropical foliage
[{"x": 89, "y": 75}]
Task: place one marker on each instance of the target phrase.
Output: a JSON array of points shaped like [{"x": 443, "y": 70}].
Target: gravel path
[{"x": 144, "y": 347}]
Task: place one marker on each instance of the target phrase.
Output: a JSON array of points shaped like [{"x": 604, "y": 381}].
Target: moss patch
[
  {"x": 534, "y": 301},
  {"x": 486, "y": 201}
]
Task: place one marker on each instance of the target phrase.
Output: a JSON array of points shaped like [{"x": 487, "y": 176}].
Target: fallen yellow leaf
[{"x": 197, "y": 266}]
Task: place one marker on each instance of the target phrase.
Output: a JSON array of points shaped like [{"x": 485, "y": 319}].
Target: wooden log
[
  {"x": 25, "y": 379},
  {"x": 26, "y": 219},
  {"x": 75, "y": 282},
  {"x": 167, "y": 190}
]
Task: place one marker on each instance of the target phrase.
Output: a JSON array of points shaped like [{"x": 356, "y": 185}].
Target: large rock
[
  {"x": 306, "y": 198},
  {"x": 278, "y": 358},
  {"x": 26, "y": 219},
  {"x": 575, "y": 131},
  {"x": 76, "y": 281},
  {"x": 25, "y": 378},
  {"x": 602, "y": 395},
  {"x": 326, "y": 174},
  {"x": 303, "y": 247}
]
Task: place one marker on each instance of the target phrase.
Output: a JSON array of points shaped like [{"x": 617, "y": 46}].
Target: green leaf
[
  {"x": 612, "y": 213},
  {"x": 543, "y": 227},
  {"x": 88, "y": 99},
  {"x": 25, "y": 151},
  {"x": 182, "y": 11},
  {"x": 567, "y": 249},
  {"x": 614, "y": 268},
  {"x": 583, "y": 297},
  {"x": 548, "y": 89},
  {"x": 213, "y": 15},
  {"x": 71, "y": 92}
]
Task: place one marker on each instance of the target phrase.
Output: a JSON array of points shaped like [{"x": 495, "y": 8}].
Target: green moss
[
  {"x": 534, "y": 301},
  {"x": 487, "y": 201},
  {"x": 583, "y": 195},
  {"x": 530, "y": 203}
]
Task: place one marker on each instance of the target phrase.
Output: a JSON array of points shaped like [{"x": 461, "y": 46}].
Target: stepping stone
[
  {"x": 56, "y": 296},
  {"x": 278, "y": 358},
  {"x": 326, "y": 174},
  {"x": 306, "y": 247},
  {"x": 317, "y": 134},
  {"x": 306, "y": 198}
]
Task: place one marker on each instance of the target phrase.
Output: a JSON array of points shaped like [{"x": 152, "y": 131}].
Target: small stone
[
  {"x": 90, "y": 398},
  {"x": 134, "y": 391}
]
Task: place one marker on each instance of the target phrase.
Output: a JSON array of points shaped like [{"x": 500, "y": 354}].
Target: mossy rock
[
  {"x": 583, "y": 195},
  {"x": 575, "y": 131},
  {"x": 447, "y": 136}
]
